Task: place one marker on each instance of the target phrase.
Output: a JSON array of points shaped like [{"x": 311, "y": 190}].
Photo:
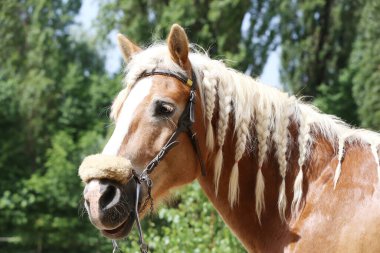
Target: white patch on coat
[{"x": 136, "y": 96}]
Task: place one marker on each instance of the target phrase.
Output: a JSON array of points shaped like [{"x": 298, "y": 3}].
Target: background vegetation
[{"x": 55, "y": 95}]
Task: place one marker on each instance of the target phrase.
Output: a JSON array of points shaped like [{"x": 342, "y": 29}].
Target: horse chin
[{"x": 122, "y": 230}]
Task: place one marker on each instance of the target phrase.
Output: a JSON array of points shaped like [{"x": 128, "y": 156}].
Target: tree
[
  {"x": 52, "y": 89},
  {"x": 316, "y": 39},
  {"x": 214, "y": 25},
  {"x": 365, "y": 66}
]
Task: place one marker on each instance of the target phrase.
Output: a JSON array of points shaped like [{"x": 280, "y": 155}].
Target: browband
[{"x": 180, "y": 77}]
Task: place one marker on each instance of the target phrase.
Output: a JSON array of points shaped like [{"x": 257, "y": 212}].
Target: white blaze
[{"x": 127, "y": 113}]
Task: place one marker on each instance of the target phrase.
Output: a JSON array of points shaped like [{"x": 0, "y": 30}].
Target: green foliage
[
  {"x": 354, "y": 95},
  {"x": 338, "y": 99},
  {"x": 329, "y": 52},
  {"x": 214, "y": 25},
  {"x": 186, "y": 223},
  {"x": 52, "y": 89},
  {"x": 190, "y": 225},
  {"x": 45, "y": 210},
  {"x": 55, "y": 97},
  {"x": 317, "y": 38},
  {"x": 365, "y": 66}
]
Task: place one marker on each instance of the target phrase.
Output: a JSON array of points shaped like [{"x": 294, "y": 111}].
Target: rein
[{"x": 185, "y": 124}]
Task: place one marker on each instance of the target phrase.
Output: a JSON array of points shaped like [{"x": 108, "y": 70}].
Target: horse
[{"x": 283, "y": 176}]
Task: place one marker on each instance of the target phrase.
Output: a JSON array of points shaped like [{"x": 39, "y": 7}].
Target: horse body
[
  {"x": 284, "y": 177},
  {"x": 344, "y": 219}
]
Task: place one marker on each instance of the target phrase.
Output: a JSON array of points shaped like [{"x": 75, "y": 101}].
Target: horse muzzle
[{"x": 109, "y": 194}]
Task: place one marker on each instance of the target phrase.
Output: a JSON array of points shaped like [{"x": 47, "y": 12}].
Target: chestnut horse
[{"x": 283, "y": 176}]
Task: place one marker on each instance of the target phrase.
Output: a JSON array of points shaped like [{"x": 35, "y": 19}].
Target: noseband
[{"x": 185, "y": 124}]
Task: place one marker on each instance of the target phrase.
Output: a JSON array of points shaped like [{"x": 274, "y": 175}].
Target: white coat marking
[{"x": 135, "y": 97}]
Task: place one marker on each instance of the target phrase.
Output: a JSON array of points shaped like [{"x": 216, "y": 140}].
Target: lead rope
[
  {"x": 143, "y": 246},
  {"x": 116, "y": 248}
]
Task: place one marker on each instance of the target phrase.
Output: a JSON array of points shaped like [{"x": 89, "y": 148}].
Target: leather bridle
[{"x": 185, "y": 124}]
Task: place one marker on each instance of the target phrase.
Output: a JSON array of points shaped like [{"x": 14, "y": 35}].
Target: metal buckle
[{"x": 189, "y": 82}]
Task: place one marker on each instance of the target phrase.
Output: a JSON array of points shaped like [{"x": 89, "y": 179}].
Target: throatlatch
[{"x": 185, "y": 124}]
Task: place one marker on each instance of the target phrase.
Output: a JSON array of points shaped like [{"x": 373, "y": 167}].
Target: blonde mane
[{"x": 250, "y": 104}]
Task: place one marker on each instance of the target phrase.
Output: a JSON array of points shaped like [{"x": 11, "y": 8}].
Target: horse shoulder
[{"x": 344, "y": 219}]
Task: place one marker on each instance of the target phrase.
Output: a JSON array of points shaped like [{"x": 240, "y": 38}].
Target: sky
[{"x": 89, "y": 10}]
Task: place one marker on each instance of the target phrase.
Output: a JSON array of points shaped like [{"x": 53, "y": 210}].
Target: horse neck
[{"x": 258, "y": 234}]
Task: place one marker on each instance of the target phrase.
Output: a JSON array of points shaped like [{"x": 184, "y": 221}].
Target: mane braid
[
  {"x": 246, "y": 103},
  {"x": 210, "y": 84},
  {"x": 263, "y": 132},
  {"x": 241, "y": 142},
  {"x": 304, "y": 137},
  {"x": 280, "y": 137},
  {"x": 224, "y": 112}
]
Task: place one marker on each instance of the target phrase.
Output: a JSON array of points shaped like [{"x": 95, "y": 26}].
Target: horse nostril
[{"x": 110, "y": 197}]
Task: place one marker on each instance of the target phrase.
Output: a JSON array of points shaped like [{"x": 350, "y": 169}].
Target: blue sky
[{"x": 89, "y": 10}]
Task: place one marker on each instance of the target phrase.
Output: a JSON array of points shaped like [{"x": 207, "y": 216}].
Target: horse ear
[
  {"x": 127, "y": 47},
  {"x": 179, "y": 46}
]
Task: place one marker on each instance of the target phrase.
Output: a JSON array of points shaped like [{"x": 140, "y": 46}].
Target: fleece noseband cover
[{"x": 101, "y": 166}]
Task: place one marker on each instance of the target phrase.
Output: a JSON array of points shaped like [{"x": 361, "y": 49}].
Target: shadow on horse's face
[{"x": 147, "y": 119}]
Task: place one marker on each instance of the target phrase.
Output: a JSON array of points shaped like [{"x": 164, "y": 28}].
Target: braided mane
[{"x": 250, "y": 104}]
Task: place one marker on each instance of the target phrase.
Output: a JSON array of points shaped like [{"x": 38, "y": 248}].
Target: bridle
[{"x": 185, "y": 124}]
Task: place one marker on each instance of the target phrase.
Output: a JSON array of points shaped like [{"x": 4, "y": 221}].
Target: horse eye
[{"x": 164, "y": 109}]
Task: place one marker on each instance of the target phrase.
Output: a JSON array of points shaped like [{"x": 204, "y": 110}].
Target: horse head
[{"x": 153, "y": 114}]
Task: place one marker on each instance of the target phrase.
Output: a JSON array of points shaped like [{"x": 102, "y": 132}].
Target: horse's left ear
[{"x": 179, "y": 46}]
